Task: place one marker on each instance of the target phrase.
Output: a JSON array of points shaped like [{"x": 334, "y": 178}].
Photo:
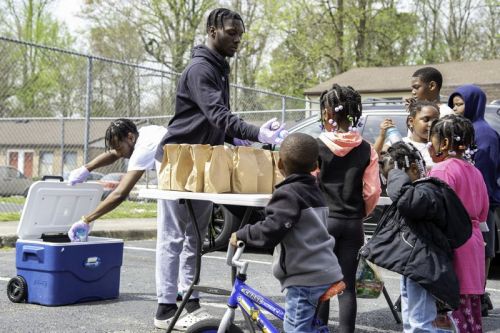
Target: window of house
[
  {"x": 46, "y": 163},
  {"x": 69, "y": 160}
]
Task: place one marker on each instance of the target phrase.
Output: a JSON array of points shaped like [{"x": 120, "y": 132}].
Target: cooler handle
[
  {"x": 30, "y": 252},
  {"x": 61, "y": 179}
]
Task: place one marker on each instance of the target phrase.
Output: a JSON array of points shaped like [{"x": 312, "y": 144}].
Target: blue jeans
[
  {"x": 300, "y": 306},
  {"x": 418, "y": 307}
]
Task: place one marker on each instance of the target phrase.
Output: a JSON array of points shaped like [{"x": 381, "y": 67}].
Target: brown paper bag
[
  {"x": 218, "y": 170},
  {"x": 265, "y": 170},
  {"x": 181, "y": 168},
  {"x": 170, "y": 152},
  {"x": 277, "y": 176},
  {"x": 200, "y": 154},
  {"x": 245, "y": 170}
]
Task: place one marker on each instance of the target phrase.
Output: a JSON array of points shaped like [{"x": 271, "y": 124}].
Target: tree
[{"x": 33, "y": 73}]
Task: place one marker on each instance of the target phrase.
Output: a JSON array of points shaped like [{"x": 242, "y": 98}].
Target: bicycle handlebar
[{"x": 233, "y": 257}]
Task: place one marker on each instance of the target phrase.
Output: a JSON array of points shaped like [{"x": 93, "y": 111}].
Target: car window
[
  {"x": 312, "y": 128},
  {"x": 112, "y": 176},
  {"x": 371, "y": 128},
  {"x": 492, "y": 116}
]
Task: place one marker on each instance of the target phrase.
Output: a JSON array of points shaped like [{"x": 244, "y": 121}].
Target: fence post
[
  {"x": 88, "y": 109},
  {"x": 283, "y": 108},
  {"x": 62, "y": 145}
]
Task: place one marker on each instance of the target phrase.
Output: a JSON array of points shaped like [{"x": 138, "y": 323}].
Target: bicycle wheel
[{"x": 210, "y": 326}]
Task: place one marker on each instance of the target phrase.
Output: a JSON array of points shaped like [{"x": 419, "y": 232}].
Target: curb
[{"x": 10, "y": 240}]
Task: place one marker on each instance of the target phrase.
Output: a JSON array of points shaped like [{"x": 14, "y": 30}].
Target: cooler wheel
[{"x": 17, "y": 289}]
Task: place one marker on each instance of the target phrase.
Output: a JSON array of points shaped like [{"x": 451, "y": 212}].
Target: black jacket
[
  {"x": 202, "y": 111},
  {"x": 341, "y": 179},
  {"x": 296, "y": 220},
  {"x": 416, "y": 236}
]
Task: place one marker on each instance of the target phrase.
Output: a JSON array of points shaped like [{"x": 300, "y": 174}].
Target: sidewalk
[{"x": 126, "y": 229}]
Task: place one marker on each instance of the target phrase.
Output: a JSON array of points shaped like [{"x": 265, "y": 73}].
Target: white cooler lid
[{"x": 52, "y": 207}]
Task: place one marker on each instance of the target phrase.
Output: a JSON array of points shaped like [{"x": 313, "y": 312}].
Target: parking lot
[{"x": 133, "y": 311}]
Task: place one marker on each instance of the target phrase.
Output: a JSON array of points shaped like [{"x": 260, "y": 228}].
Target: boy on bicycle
[{"x": 295, "y": 225}]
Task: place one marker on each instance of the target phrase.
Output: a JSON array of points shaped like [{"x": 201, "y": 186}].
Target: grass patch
[{"x": 128, "y": 209}]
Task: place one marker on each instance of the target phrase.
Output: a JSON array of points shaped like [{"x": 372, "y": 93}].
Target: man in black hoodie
[{"x": 202, "y": 116}]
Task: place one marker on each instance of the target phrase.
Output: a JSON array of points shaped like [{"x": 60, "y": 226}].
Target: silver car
[{"x": 13, "y": 182}]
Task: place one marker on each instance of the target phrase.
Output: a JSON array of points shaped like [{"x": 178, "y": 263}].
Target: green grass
[{"x": 128, "y": 209}]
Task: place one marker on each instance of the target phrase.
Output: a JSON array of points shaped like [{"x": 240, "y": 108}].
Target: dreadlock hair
[
  {"x": 416, "y": 106},
  {"x": 217, "y": 16},
  {"x": 117, "y": 131},
  {"x": 459, "y": 132},
  {"x": 299, "y": 153},
  {"x": 404, "y": 154},
  {"x": 345, "y": 103},
  {"x": 428, "y": 74}
]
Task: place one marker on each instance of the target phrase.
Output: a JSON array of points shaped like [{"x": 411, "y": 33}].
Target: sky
[{"x": 67, "y": 11}]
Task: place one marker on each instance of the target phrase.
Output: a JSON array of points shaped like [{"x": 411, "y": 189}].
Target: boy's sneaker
[{"x": 164, "y": 315}]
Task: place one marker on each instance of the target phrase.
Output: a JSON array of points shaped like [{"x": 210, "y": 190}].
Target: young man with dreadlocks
[
  {"x": 349, "y": 178},
  {"x": 451, "y": 146},
  {"x": 416, "y": 236},
  {"x": 122, "y": 140},
  {"x": 202, "y": 116}
]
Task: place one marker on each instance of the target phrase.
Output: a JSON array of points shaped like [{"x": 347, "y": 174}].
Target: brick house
[{"x": 38, "y": 147}]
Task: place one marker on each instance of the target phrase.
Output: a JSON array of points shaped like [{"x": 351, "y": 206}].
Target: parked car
[
  {"x": 13, "y": 182},
  {"x": 373, "y": 114},
  {"x": 109, "y": 182},
  {"x": 147, "y": 181}
]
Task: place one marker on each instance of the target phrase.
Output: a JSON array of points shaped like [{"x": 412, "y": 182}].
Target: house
[
  {"x": 51, "y": 146},
  {"x": 394, "y": 82}
]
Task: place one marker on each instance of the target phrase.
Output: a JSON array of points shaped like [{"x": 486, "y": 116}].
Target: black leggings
[{"x": 349, "y": 237}]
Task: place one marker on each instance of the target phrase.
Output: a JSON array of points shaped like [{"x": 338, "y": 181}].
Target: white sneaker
[{"x": 189, "y": 319}]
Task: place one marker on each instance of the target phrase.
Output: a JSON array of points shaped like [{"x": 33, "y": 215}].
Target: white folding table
[{"x": 248, "y": 200}]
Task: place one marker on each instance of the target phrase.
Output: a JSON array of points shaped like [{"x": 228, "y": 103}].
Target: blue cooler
[{"x": 51, "y": 270}]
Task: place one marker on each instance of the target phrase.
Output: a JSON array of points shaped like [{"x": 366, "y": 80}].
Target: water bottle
[{"x": 392, "y": 136}]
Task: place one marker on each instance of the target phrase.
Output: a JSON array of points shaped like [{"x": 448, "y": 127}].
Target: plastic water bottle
[{"x": 392, "y": 135}]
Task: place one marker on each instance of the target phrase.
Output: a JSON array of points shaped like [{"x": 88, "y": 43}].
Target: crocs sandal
[{"x": 189, "y": 319}]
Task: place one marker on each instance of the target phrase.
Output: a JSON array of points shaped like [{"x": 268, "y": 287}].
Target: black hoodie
[{"x": 202, "y": 112}]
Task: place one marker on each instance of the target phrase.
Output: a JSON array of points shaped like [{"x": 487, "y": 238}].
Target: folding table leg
[
  {"x": 197, "y": 270},
  {"x": 391, "y": 306}
]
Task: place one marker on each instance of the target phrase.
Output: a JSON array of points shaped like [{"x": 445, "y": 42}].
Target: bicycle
[{"x": 250, "y": 301}]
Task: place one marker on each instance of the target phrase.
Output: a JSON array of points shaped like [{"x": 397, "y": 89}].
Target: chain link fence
[{"x": 55, "y": 106}]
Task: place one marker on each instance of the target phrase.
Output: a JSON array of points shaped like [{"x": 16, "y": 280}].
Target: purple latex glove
[
  {"x": 270, "y": 132},
  {"x": 281, "y": 136},
  {"x": 240, "y": 142},
  {"x": 78, "y": 175},
  {"x": 79, "y": 232}
]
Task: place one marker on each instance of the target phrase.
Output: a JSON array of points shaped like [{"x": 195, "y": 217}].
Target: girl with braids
[
  {"x": 421, "y": 115},
  {"x": 416, "y": 236},
  {"x": 469, "y": 101},
  {"x": 451, "y": 147},
  {"x": 349, "y": 178}
]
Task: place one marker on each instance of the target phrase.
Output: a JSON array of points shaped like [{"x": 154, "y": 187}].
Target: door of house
[{"x": 22, "y": 161}]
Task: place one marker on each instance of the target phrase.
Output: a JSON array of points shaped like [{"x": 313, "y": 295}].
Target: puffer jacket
[{"x": 418, "y": 232}]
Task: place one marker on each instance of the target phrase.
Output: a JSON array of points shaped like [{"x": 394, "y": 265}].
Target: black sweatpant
[{"x": 349, "y": 237}]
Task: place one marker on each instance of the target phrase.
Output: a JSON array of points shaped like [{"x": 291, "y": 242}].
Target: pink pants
[{"x": 468, "y": 316}]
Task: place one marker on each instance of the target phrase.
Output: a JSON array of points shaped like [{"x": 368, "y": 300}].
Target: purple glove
[
  {"x": 240, "y": 142},
  {"x": 78, "y": 175},
  {"x": 270, "y": 132},
  {"x": 79, "y": 232}
]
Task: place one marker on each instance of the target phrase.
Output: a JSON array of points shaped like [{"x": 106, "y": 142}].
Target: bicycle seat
[{"x": 335, "y": 289}]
